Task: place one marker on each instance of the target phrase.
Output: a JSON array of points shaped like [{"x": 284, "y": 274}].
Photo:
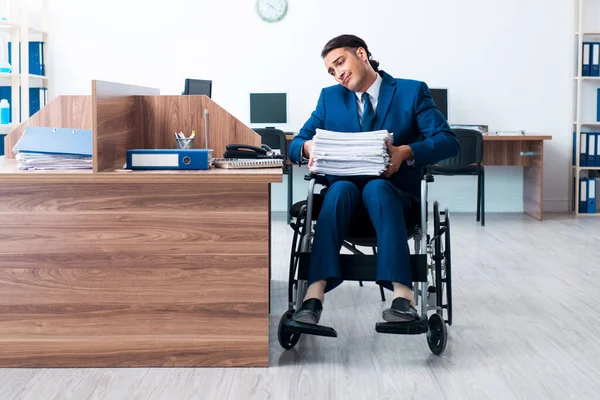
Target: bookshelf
[
  {"x": 22, "y": 22},
  {"x": 585, "y": 115}
]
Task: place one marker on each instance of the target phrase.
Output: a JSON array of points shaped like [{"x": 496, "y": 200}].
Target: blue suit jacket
[{"x": 405, "y": 108}]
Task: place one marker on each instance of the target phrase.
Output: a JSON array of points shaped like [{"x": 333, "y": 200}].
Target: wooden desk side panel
[
  {"x": 117, "y": 123},
  {"x": 533, "y": 178},
  {"x": 164, "y": 115},
  {"x": 105, "y": 275},
  {"x": 61, "y": 112},
  {"x": 507, "y": 152}
]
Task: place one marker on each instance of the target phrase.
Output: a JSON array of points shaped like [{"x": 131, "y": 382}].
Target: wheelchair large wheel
[
  {"x": 437, "y": 256},
  {"x": 287, "y": 339},
  {"x": 437, "y": 334},
  {"x": 448, "y": 259}
]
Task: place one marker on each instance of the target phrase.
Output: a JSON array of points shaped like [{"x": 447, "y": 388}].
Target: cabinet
[
  {"x": 23, "y": 24},
  {"x": 585, "y": 116}
]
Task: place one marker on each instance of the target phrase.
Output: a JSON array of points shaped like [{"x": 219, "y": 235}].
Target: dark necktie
[{"x": 368, "y": 116}]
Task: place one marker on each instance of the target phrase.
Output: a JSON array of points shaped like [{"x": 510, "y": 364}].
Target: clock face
[{"x": 271, "y": 10}]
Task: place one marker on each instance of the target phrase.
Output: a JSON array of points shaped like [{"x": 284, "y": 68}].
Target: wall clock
[{"x": 271, "y": 10}]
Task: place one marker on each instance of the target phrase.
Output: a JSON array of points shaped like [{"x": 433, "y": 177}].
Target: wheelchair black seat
[{"x": 317, "y": 205}]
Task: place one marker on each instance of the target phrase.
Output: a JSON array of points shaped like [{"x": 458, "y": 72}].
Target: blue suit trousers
[{"x": 364, "y": 204}]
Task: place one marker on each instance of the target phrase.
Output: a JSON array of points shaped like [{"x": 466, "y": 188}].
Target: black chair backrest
[
  {"x": 471, "y": 148},
  {"x": 274, "y": 138}
]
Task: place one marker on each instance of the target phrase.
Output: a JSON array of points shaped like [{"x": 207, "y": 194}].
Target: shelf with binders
[
  {"x": 24, "y": 79},
  {"x": 584, "y": 194},
  {"x": 585, "y": 112},
  {"x": 585, "y": 172},
  {"x": 26, "y": 86}
]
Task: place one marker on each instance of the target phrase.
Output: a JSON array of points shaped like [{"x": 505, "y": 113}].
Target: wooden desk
[
  {"x": 520, "y": 150},
  {"x": 102, "y": 268},
  {"x": 526, "y": 151},
  {"x": 134, "y": 269}
]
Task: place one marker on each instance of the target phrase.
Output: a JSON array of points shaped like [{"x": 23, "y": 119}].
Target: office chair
[
  {"x": 275, "y": 139},
  {"x": 468, "y": 162}
]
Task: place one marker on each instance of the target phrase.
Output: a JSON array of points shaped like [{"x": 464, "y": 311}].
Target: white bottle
[
  {"x": 5, "y": 67},
  {"x": 4, "y": 111}
]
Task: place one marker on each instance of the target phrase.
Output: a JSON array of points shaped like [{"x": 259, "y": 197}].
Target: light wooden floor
[{"x": 525, "y": 327}]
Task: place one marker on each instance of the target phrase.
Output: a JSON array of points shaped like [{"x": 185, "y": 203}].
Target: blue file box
[
  {"x": 170, "y": 159},
  {"x": 591, "y": 197},
  {"x": 583, "y": 195}
]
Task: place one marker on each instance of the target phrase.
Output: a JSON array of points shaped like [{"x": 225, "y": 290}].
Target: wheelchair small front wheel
[
  {"x": 437, "y": 334},
  {"x": 287, "y": 338}
]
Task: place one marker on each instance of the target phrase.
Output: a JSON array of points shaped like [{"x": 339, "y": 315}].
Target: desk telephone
[{"x": 249, "y": 151}]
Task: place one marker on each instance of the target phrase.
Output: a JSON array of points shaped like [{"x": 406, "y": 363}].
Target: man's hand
[
  {"x": 397, "y": 155},
  {"x": 307, "y": 151}
]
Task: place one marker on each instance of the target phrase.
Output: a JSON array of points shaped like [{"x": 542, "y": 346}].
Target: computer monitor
[
  {"x": 198, "y": 86},
  {"x": 268, "y": 109},
  {"x": 440, "y": 98}
]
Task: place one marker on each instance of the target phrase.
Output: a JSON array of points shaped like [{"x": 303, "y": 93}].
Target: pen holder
[{"x": 184, "y": 143}]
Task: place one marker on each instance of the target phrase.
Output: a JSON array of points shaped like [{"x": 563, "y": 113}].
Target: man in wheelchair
[{"x": 367, "y": 99}]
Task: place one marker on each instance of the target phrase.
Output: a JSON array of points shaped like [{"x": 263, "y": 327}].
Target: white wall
[{"x": 506, "y": 64}]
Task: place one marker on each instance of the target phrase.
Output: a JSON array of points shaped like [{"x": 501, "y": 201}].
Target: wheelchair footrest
[
  {"x": 310, "y": 329},
  {"x": 403, "y": 328}
]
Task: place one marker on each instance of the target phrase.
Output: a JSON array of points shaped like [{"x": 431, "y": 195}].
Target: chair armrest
[
  {"x": 319, "y": 178},
  {"x": 428, "y": 176}
]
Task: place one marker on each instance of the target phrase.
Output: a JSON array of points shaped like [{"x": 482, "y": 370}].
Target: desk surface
[{"x": 10, "y": 172}]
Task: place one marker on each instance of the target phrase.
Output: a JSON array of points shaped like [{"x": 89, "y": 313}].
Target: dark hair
[{"x": 349, "y": 42}]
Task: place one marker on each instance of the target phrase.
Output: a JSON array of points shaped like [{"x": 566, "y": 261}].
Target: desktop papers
[
  {"x": 41, "y": 161},
  {"x": 350, "y": 153}
]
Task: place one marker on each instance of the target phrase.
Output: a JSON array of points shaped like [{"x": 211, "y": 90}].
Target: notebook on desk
[{"x": 245, "y": 163}]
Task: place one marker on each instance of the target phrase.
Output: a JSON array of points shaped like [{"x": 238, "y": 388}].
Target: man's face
[{"x": 349, "y": 68}]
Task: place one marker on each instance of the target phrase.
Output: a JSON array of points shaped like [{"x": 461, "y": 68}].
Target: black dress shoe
[
  {"x": 310, "y": 312},
  {"x": 400, "y": 311}
]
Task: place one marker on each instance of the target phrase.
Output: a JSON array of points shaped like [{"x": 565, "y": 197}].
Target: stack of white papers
[
  {"x": 42, "y": 161},
  {"x": 350, "y": 153}
]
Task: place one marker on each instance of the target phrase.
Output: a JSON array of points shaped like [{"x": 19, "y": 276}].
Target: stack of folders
[
  {"x": 589, "y": 149},
  {"x": 43, "y": 148},
  {"x": 590, "y": 60},
  {"x": 587, "y": 195},
  {"x": 350, "y": 153}
]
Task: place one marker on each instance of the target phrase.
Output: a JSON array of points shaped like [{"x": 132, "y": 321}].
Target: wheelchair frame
[{"x": 431, "y": 271}]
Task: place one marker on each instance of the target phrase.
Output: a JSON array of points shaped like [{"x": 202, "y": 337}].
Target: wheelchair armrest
[
  {"x": 319, "y": 178},
  {"x": 427, "y": 176}
]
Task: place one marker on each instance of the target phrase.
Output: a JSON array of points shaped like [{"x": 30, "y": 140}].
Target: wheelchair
[{"x": 430, "y": 264}]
